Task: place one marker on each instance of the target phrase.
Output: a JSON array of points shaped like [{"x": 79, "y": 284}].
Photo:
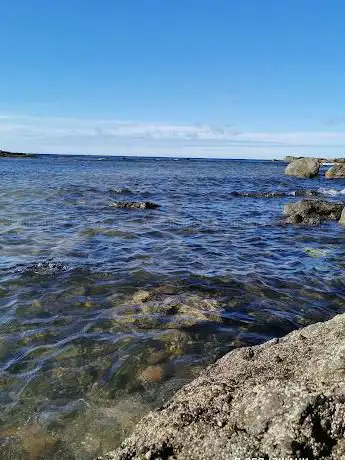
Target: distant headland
[{"x": 5, "y": 154}]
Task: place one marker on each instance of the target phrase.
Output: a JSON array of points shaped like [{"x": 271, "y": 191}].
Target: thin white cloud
[{"x": 101, "y": 137}]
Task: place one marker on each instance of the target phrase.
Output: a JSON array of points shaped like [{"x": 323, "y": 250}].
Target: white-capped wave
[{"x": 331, "y": 191}]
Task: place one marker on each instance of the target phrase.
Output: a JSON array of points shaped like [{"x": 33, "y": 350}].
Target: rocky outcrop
[
  {"x": 312, "y": 212},
  {"x": 336, "y": 172},
  {"x": 285, "y": 398},
  {"x": 304, "y": 167},
  {"x": 290, "y": 158},
  {"x": 134, "y": 205}
]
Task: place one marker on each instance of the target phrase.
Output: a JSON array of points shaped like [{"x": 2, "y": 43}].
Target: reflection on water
[{"x": 106, "y": 312}]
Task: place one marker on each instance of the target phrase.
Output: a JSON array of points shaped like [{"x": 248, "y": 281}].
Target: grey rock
[
  {"x": 336, "y": 171},
  {"x": 304, "y": 167},
  {"x": 285, "y": 398},
  {"x": 312, "y": 212},
  {"x": 134, "y": 205}
]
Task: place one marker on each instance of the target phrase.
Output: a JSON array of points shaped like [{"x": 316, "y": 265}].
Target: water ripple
[{"x": 104, "y": 313}]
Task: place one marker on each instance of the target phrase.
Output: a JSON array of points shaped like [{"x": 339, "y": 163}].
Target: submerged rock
[
  {"x": 285, "y": 398},
  {"x": 160, "y": 308},
  {"x": 152, "y": 374},
  {"x": 141, "y": 296},
  {"x": 134, "y": 205},
  {"x": 312, "y": 212},
  {"x": 336, "y": 171},
  {"x": 303, "y": 167},
  {"x": 315, "y": 252}
]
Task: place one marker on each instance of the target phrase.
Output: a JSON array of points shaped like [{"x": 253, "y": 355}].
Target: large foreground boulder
[
  {"x": 312, "y": 212},
  {"x": 304, "y": 167},
  {"x": 336, "y": 171},
  {"x": 285, "y": 398}
]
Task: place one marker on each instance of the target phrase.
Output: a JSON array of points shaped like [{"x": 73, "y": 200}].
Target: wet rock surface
[
  {"x": 285, "y": 398},
  {"x": 312, "y": 212},
  {"x": 134, "y": 205},
  {"x": 46, "y": 268},
  {"x": 303, "y": 167},
  {"x": 336, "y": 172}
]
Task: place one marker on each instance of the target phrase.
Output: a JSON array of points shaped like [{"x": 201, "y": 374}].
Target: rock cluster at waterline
[
  {"x": 290, "y": 158},
  {"x": 309, "y": 167}
]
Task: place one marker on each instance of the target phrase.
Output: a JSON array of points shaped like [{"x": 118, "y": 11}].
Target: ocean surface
[{"x": 105, "y": 312}]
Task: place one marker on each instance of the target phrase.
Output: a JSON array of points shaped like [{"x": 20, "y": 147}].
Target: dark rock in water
[
  {"x": 312, "y": 212},
  {"x": 304, "y": 167},
  {"x": 274, "y": 194},
  {"x": 46, "y": 268},
  {"x": 336, "y": 172},
  {"x": 306, "y": 193},
  {"x": 134, "y": 205},
  {"x": 282, "y": 399}
]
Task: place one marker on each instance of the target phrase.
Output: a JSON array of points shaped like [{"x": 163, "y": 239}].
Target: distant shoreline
[
  {"x": 6, "y": 154},
  {"x": 286, "y": 159}
]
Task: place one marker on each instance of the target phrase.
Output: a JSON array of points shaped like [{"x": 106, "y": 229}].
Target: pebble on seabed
[{"x": 151, "y": 374}]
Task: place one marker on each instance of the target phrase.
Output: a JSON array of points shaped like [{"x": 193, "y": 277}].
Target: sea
[{"x": 106, "y": 312}]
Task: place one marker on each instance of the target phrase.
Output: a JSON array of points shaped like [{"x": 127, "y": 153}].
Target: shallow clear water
[{"x": 105, "y": 312}]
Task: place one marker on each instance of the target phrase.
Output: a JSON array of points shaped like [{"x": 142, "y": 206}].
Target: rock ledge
[{"x": 285, "y": 398}]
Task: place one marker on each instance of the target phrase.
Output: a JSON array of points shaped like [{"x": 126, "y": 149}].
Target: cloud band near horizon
[{"x": 114, "y": 137}]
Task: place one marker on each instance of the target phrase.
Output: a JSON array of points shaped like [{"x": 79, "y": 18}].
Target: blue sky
[{"x": 243, "y": 78}]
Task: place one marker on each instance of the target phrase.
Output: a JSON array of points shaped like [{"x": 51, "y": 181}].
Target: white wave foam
[{"x": 331, "y": 191}]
